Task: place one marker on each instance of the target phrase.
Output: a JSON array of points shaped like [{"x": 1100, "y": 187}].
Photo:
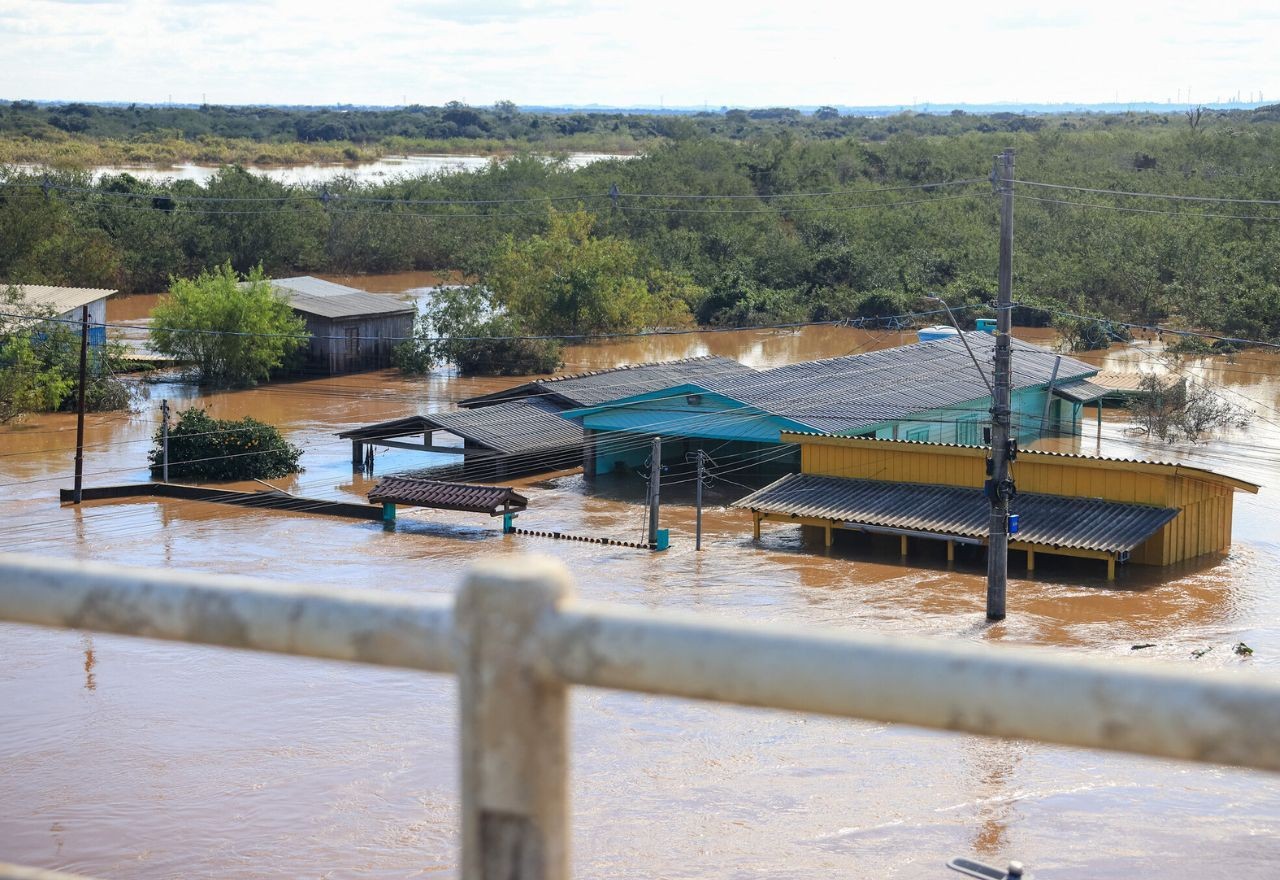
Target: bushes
[
  {"x": 233, "y": 333},
  {"x": 205, "y": 448}
]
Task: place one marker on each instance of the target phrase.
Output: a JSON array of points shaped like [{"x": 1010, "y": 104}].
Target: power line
[
  {"x": 1192, "y": 214},
  {"x": 1146, "y": 195}
]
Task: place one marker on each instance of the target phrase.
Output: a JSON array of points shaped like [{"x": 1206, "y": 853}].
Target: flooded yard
[{"x": 128, "y": 758}]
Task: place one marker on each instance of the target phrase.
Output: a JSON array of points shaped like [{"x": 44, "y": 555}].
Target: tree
[
  {"x": 234, "y": 329},
  {"x": 568, "y": 282},
  {"x": 205, "y": 448},
  {"x": 461, "y": 325},
  {"x": 1182, "y": 410}
]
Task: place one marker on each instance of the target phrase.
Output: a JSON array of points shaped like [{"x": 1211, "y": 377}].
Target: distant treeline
[{"x": 751, "y": 249}]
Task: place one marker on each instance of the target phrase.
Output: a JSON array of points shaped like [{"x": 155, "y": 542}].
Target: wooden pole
[
  {"x": 1048, "y": 397},
  {"x": 84, "y": 372},
  {"x": 655, "y": 478},
  {"x": 1000, "y": 486}
]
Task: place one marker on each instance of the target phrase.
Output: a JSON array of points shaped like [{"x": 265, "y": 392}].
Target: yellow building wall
[{"x": 1203, "y": 524}]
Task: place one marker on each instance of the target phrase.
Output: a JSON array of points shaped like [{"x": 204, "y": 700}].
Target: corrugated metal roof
[
  {"x": 324, "y": 299},
  {"x": 518, "y": 426},
  {"x": 852, "y": 393},
  {"x": 1046, "y": 520},
  {"x": 600, "y": 386},
  {"x": 514, "y": 427},
  {"x": 1081, "y": 390},
  {"x": 493, "y": 500},
  {"x": 61, "y": 299}
]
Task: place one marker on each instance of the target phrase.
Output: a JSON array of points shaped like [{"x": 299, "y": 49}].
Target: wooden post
[
  {"x": 755, "y": 520},
  {"x": 1031, "y": 560},
  {"x": 84, "y": 378},
  {"x": 1111, "y": 568},
  {"x": 902, "y": 545},
  {"x": 164, "y": 448},
  {"x": 829, "y": 535},
  {"x": 357, "y": 455},
  {"x": 514, "y": 724},
  {"x": 951, "y": 551}
]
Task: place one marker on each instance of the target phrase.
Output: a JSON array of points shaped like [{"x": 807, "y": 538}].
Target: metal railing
[{"x": 517, "y": 638}]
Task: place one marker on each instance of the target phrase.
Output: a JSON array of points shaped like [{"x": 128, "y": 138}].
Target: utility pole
[
  {"x": 698, "y": 539},
  {"x": 655, "y": 479},
  {"x": 84, "y": 370},
  {"x": 164, "y": 440},
  {"x": 999, "y": 486}
]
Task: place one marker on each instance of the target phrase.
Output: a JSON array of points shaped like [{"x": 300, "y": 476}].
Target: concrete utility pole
[
  {"x": 84, "y": 371},
  {"x": 698, "y": 539},
  {"x": 164, "y": 440},
  {"x": 999, "y": 486},
  {"x": 655, "y": 479}
]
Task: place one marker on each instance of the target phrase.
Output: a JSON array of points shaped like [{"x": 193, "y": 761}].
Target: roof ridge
[{"x": 625, "y": 367}]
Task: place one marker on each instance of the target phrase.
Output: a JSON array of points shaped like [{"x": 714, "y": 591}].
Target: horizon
[{"x": 579, "y": 53}]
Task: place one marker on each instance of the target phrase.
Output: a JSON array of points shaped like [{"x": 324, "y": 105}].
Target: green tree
[
  {"x": 567, "y": 282},
  {"x": 204, "y": 448},
  {"x": 233, "y": 329}
]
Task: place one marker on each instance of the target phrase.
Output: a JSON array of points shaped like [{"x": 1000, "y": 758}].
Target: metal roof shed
[
  {"x": 351, "y": 329},
  {"x": 67, "y": 304}
]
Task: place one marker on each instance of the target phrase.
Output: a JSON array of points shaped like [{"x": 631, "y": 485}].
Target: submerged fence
[{"x": 518, "y": 638}]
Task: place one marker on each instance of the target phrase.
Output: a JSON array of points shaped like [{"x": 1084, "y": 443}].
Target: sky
[{"x": 643, "y": 53}]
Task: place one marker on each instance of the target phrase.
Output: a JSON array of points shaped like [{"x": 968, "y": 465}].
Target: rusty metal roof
[
  {"x": 413, "y": 492},
  {"x": 514, "y": 427},
  {"x": 600, "y": 386},
  {"x": 1046, "y": 520}
]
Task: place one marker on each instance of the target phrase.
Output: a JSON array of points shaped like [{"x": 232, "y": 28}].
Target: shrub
[
  {"x": 233, "y": 333},
  {"x": 205, "y": 448}
]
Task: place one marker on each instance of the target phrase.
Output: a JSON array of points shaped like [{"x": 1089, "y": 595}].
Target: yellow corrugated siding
[{"x": 1203, "y": 526}]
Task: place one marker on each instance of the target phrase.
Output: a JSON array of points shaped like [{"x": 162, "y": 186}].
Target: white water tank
[{"x": 937, "y": 331}]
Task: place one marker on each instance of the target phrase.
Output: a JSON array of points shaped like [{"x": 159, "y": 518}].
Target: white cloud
[{"x": 679, "y": 52}]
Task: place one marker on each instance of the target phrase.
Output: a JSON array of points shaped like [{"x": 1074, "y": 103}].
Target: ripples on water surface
[{"x": 127, "y": 758}]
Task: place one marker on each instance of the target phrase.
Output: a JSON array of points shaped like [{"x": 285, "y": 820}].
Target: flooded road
[{"x": 126, "y": 758}]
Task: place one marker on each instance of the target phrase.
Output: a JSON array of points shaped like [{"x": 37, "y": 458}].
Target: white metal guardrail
[{"x": 518, "y": 638}]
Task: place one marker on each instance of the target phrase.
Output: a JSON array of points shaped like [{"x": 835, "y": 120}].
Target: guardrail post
[{"x": 514, "y": 724}]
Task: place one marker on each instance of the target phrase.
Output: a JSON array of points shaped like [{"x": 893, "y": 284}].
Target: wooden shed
[
  {"x": 351, "y": 330},
  {"x": 67, "y": 304},
  {"x": 1197, "y": 502}
]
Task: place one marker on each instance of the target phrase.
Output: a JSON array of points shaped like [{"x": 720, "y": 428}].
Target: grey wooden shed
[{"x": 351, "y": 330}]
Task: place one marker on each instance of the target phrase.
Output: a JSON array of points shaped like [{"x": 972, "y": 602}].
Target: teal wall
[{"x": 964, "y": 423}]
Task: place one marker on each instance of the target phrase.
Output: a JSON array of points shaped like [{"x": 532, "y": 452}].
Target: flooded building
[
  {"x": 351, "y": 330},
  {"x": 928, "y": 391},
  {"x": 1115, "y": 510},
  {"x": 520, "y": 430},
  {"x": 67, "y": 304}
]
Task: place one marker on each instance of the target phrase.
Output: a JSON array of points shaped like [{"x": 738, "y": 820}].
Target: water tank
[{"x": 938, "y": 331}]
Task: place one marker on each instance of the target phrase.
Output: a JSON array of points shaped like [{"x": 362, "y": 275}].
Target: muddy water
[
  {"x": 124, "y": 758},
  {"x": 377, "y": 171}
]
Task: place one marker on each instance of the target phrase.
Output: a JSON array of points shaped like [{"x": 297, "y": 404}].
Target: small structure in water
[
  {"x": 67, "y": 305},
  {"x": 1116, "y": 510},
  {"x": 351, "y": 330},
  {"x": 412, "y": 492}
]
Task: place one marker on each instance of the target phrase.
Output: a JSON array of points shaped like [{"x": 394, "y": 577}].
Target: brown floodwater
[{"x": 128, "y": 758}]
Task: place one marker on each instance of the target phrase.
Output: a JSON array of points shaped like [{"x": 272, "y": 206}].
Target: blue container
[
  {"x": 986, "y": 324},
  {"x": 939, "y": 331}
]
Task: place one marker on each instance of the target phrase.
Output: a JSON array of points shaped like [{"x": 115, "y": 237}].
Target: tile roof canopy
[
  {"x": 600, "y": 386},
  {"x": 513, "y": 427},
  {"x": 1046, "y": 520},
  {"x": 412, "y": 492},
  {"x": 324, "y": 299},
  {"x": 853, "y": 393},
  {"x": 61, "y": 299}
]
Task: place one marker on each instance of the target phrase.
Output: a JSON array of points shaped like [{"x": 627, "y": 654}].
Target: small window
[{"x": 919, "y": 434}]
